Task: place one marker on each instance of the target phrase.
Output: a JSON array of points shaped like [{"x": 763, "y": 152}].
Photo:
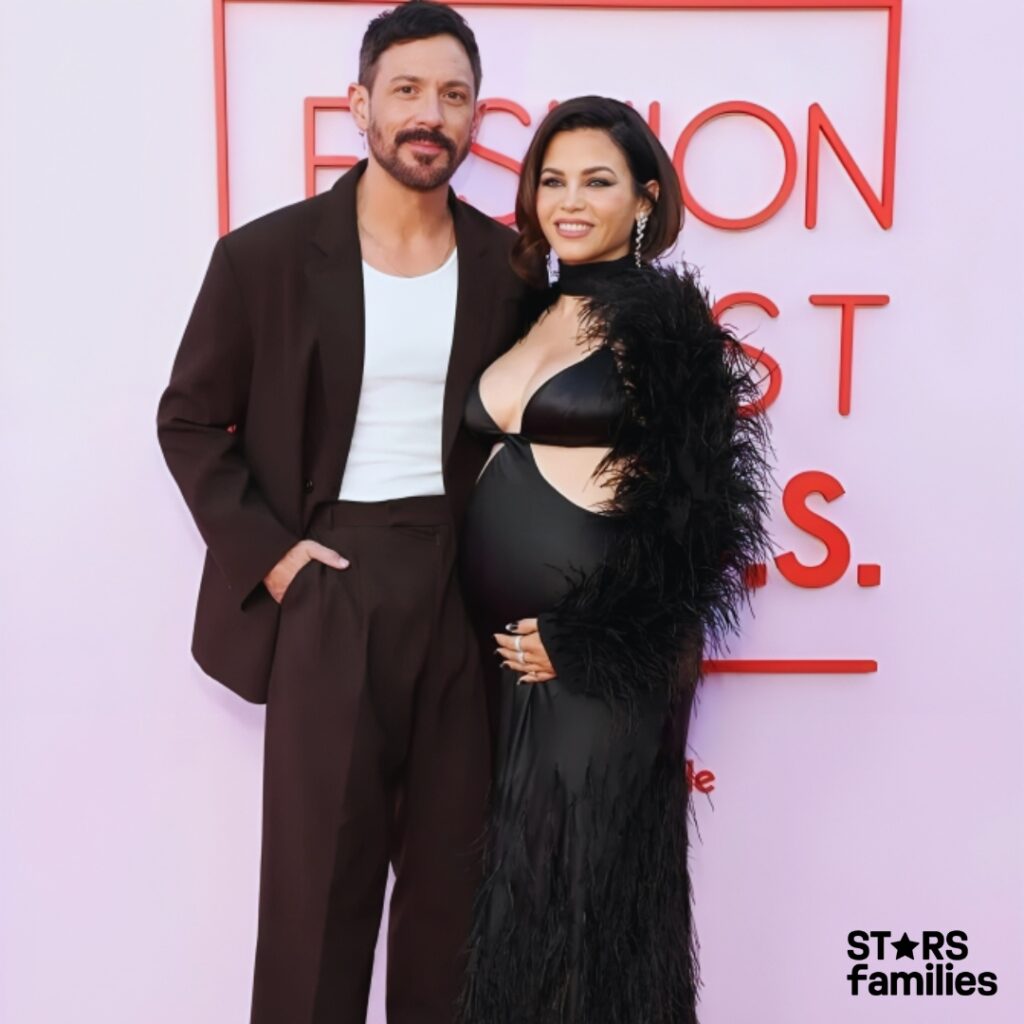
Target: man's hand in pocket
[{"x": 279, "y": 579}]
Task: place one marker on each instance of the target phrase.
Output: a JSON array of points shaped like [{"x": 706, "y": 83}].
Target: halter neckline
[{"x": 587, "y": 278}]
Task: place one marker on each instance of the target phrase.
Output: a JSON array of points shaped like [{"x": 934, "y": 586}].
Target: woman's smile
[{"x": 573, "y": 228}]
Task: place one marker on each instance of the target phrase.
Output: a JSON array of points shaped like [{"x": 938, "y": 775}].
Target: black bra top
[{"x": 577, "y": 407}]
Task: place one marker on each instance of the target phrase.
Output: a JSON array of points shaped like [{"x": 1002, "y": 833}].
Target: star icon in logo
[{"x": 905, "y": 947}]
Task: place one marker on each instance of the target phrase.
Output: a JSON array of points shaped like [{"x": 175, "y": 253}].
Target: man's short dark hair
[{"x": 417, "y": 19}]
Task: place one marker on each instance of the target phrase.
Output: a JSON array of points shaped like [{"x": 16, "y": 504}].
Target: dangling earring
[
  {"x": 641, "y": 226},
  {"x": 552, "y": 264}
]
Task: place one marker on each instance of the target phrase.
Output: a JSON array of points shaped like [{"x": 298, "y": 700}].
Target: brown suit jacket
[{"x": 257, "y": 420}]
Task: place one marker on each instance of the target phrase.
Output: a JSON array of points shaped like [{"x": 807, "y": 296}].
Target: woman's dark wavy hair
[
  {"x": 647, "y": 161},
  {"x": 418, "y": 19}
]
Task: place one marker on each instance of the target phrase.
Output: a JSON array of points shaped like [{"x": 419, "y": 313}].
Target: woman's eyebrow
[{"x": 586, "y": 170}]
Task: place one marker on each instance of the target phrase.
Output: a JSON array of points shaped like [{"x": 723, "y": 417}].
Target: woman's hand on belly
[{"x": 522, "y": 650}]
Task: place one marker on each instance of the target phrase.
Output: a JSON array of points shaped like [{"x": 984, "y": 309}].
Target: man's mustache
[{"x": 424, "y": 135}]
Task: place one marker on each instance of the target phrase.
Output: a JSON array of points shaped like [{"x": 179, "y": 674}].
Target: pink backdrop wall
[{"x": 129, "y": 807}]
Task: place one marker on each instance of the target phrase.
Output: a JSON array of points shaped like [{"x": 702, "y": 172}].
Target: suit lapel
[
  {"x": 335, "y": 277},
  {"x": 472, "y": 323}
]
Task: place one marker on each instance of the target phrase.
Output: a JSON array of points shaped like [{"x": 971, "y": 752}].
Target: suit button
[{"x": 307, "y": 486}]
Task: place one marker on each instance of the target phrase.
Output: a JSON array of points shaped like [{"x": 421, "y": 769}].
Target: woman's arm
[{"x": 692, "y": 486}]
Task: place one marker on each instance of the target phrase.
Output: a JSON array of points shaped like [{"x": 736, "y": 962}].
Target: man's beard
[{"x": 428, "y": 172}]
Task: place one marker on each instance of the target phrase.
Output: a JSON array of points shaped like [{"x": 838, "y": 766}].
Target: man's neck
[{"x": 393, "y": 213}]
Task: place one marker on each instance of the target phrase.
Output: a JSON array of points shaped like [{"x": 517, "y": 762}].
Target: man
[{"x": 313, "y": 424}]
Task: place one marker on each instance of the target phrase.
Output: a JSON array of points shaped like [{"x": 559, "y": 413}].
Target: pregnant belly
[{"x": 523, "y": 541}]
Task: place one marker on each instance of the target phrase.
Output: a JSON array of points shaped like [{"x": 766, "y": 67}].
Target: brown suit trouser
[{"x": 377, "y": 752}]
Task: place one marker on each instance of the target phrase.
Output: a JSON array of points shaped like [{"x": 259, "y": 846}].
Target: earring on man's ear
[
  {"x": 641, "y": 226},
  {"x": 552, "y": 266}
]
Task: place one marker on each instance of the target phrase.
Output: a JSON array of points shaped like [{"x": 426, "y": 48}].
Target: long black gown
[{"x": 583, "y": 914}]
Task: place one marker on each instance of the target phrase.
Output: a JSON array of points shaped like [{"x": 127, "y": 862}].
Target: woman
[{"x": 605, "y": 546}]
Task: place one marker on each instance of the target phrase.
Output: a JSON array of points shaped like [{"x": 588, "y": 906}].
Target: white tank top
[{"x": 396, "y": 445}]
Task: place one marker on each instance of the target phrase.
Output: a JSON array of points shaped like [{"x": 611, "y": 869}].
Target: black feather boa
[{"x": 691, "y": 488}]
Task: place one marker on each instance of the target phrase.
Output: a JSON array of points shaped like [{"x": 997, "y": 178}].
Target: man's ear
[
  {"x": 478, "y": 117},
  {"x": 359, "y": 105}
]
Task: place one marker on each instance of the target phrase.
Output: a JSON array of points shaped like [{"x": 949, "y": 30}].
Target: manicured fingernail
[
  {"x": 343, "y": 563},
  {"x": 512, "y": 626}
]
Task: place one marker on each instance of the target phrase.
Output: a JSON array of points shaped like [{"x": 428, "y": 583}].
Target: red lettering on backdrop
[
  {"x": 492, "y": 156},
  {"x": 756, "y": 575},
  {"x": 837, "y": 561},
  {"x": 837, "y": 546},
  {"x": 702, "y": 781},
  {"x": 314, "y": 161},
  {"x": 869, "y": 575},
  {"x": 788, "y": 151},
  {"x": 819, "y": 125},
  {"x": 848, "y": 304},
  {"x": 772, "y": 369},
  {"x": 654, "y": 118}
]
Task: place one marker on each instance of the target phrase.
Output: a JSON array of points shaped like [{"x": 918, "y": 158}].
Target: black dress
[{"x": 586, "y": 878}]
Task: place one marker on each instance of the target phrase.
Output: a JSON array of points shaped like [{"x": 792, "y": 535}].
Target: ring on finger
[
  {"x": 522, "y": 658},
  {"x": 519, "y": 644}
]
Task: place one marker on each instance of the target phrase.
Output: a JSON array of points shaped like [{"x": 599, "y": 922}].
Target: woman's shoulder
[
  {"x": 657, "y": 317},
  {"x": 665, "y": 300}
]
